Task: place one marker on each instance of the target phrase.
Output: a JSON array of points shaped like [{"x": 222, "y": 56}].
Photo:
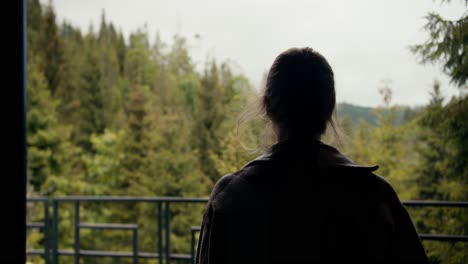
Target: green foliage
[
  {"x": 103, "y": 167},
  {"x": 442, "y": 147},
  {"x": 443, "y": 138},
  {"x": 50, "y": 151},
  {"x": 447, "y": 43},
  {"x": 424, "y": 158}
]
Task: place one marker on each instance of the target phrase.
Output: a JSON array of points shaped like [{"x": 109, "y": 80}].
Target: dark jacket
[{"x": 306, "y": 203}]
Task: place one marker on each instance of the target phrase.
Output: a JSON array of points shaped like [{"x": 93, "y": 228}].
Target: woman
[{"x": 302, "y": 201}]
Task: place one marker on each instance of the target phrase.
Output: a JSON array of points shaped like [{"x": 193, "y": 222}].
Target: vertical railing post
[
  {"x": 55, "y": 231},
  {"x": 160, "y": 232},
  {"x": 46, "y": 232},
  {"x": 192, "y": 246},
  {"x": 77, "y": 233},
  {"x": 168, "y": 233},
  {"x": 135, "y": 246},
  {"x": 20, "y": 134}
]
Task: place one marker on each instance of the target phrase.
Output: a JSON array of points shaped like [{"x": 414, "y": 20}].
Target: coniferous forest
[{"x": 109, "y": 115}]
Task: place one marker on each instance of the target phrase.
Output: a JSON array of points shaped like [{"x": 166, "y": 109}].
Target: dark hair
[{"x": 299, "y": 95}]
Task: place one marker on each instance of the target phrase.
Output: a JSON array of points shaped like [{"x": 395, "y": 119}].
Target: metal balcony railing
[{"x": 51, "y": 250}]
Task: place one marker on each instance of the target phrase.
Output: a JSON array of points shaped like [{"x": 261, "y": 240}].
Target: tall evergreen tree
[
  {"x": 447, "y": 43},
  {"x": 42, "y": 128},
  {"x": 138, "y": 144},
  {"x": 209, "y": 117},
  {"x": 52, "y": 50},
  {"x": 108, "y": 64},
  {"x": 92, "y": 97},
  {"x": 75, "y": 63}
]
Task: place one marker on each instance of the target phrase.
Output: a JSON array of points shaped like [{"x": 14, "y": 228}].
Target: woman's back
[
  {"x": 302, "y": 201},
  {"x": 285, "y": 207}
]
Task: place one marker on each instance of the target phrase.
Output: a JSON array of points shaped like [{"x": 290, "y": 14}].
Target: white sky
[{"x": 365, "y": 41}]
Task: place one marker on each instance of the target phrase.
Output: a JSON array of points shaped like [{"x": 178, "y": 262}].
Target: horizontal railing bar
[
  {"x": 34, "y": 225},
  {"x": 196, "y": 228},
  {"x": 181, "y": 256},
  {"x": 35, "y": 252},
  {"x": 436, "y": 203},
  {"x": 205, "y": 199},
  {"x": 36, "y": 199},
  {"x": 130, "y": 199},
  {"x": 96, "y": 253},
  {"x": 108, "y": 226},
  {"x": 437, "y": 237},
  {"x": 99, "y": 253}
]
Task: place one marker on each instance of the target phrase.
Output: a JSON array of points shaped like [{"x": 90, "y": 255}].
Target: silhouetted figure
[{"x": 302, "y": 201}]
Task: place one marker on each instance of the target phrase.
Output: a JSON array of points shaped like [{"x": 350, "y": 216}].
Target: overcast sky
[{"x": 365, "y": 41}]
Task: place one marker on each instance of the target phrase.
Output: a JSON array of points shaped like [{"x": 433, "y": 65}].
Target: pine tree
[
  {"x": 69, "y": 91},
  {"x": 34, "y": 23},
  {"x": 139, "y": 68},
  {"x": 52, "y": 50},
  {"x": 108, "y": 64},
  {"x": 447, "y": 43},
  {"x": 137, "y": 145},
  {"x": 92, "y": 98},
  {"x": 121, "y": 52},
  {"x": 209, "y": 117},
  {"x": 42, "y": 128}
]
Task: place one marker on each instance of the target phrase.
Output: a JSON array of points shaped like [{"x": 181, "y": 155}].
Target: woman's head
[{"x": 299, "y": 95}]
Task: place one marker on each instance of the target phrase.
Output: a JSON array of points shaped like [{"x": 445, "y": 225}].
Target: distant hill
[{"x": 356, "y": 112}]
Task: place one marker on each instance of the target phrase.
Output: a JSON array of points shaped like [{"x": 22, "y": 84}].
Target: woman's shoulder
[
  {"x": 384, "y": 189},
  {"x": 235, "y": 186}
]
